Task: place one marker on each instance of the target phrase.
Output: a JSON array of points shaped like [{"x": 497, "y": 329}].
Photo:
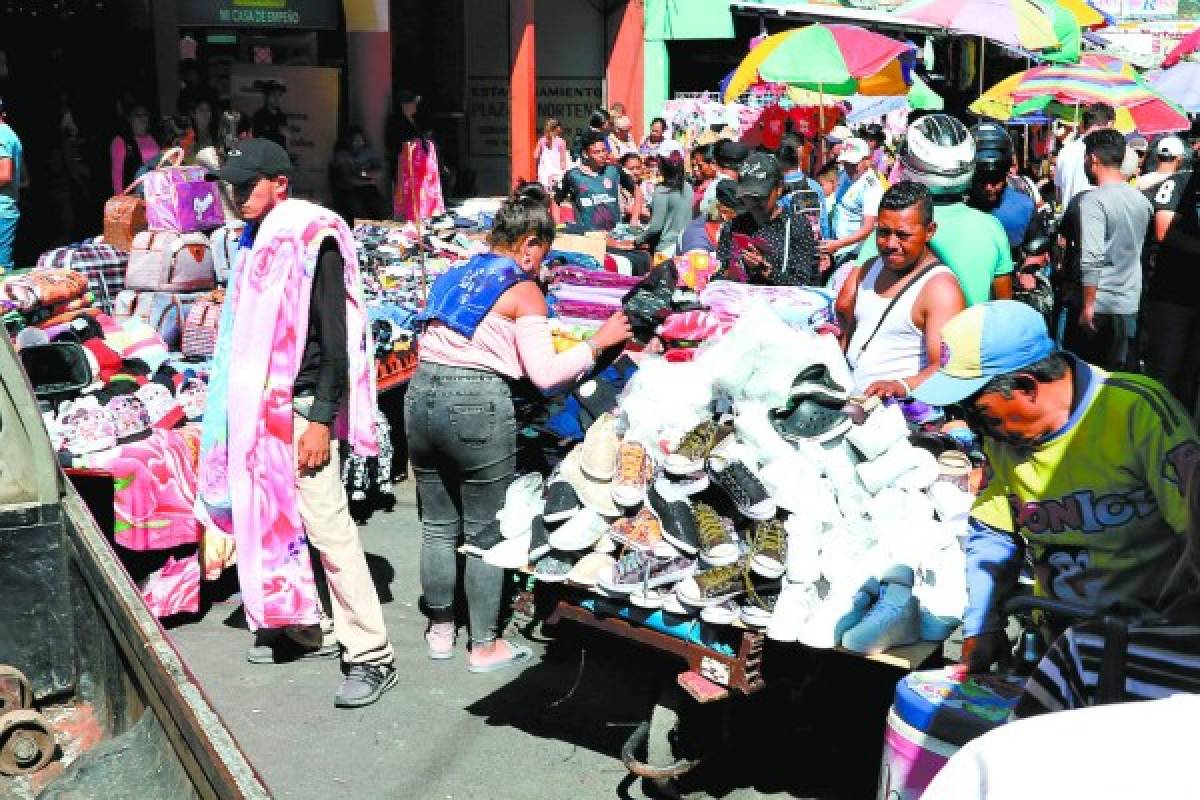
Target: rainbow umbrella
[
  {"x": 1109, "y": 63},
  {"x": 1085, "y": 15},
  {"x": 828, "y": 59},
  {"x": 1066, "y": 28},
  {"x": 1060, "y": 91},
  {"x": 1016, "y": 23}
]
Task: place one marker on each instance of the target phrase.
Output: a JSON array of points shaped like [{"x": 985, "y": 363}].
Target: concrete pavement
[{"x": 553, "y": 730}]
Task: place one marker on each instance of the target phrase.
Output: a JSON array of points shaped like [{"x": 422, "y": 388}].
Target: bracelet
[{"x": 907, "y": 388}]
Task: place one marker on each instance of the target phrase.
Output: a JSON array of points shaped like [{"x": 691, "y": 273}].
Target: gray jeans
[{"x": 462, "y": 440}]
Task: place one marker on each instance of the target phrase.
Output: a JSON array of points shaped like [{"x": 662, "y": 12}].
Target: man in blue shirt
[
  {"x": 12, "y": 180},
  {"x": 990, "y": 188}
]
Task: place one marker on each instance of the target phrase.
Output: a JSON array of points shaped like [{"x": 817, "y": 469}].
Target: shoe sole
[
  {"x": 682, "y": 468},
  {"x": 562, "y": 516},
  {"x": 388, "y": 682},
  {"x": 536, "y": 555},
  {"x": 768, "y": 568},
  {"x": 628, "y": 497},
  {"x": 720, "y": 561},
  {"x": 761, "y": 515},
  {"x": 550, "y": 578},
  {"x": 717, "y": 617},
  {"x": 754, "y": 620},
  {"x": 680, "y": 545},
  {"x": 703, "y": 602},
  {"x": 440, "y": 655},
  {"x": 820, "y": 438}
]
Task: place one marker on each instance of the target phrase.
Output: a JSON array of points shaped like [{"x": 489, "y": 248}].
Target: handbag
[
  {"x": 201, "y": 325},
  {"x": 124, "y": 218},
  {"x": 166, "y": 312},
  {"x": 179, "y": 198},
  {"x": 164, "y": 261}
]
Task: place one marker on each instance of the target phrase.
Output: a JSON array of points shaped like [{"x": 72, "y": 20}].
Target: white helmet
[{"x": 939, "y": 152}]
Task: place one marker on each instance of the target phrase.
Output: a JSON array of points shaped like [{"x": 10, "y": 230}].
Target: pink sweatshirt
[{"x": 513, "y": 348}]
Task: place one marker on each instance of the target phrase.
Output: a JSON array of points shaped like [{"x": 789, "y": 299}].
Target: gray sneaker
[
  {"x": 277, "y": 647},
  {"x": 364, "y": 684}
]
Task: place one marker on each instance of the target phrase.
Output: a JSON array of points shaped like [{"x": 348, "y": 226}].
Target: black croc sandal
[{"x": 811, "y": 421}]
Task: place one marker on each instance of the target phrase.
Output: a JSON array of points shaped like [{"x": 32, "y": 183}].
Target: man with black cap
[
  {"x": 270, "y": 121},
  {"x": 766, "y": 243},
  {"x": 269, "y": 461},
  {"x": 12, "y": 180}
]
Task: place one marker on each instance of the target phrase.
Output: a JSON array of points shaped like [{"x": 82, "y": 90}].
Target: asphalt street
[{"x": 553, "y": 730}]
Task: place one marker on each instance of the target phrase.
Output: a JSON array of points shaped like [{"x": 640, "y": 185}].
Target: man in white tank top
[{"x": 892, "y": 309}]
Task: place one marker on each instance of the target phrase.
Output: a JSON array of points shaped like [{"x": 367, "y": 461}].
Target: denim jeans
[{"x": 462, "y": 438}]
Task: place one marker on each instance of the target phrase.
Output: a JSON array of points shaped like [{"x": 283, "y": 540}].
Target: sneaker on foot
[
  {"x": 276, "y": 646},
  {"x": 679, "y": 526},
  {"x": 743, "y": 487},
  {"x": 439, "y": 637},
  {"x": 516, "y": 654},
  {"x": 364, "y": 684},
  {"x": 634, "y": 470},
  {"x": 717, "y": 545},
  {"x": 768, "y": 548}
]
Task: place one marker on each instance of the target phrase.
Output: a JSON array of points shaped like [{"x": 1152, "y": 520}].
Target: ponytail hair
[{"x": 525, "y": 213}]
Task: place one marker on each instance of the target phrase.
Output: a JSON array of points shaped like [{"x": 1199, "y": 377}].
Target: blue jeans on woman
[{"x": 462, "y": 441}]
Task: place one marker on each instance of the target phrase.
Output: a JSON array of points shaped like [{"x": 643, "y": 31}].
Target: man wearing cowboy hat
[{"x": 270, "y": 121}]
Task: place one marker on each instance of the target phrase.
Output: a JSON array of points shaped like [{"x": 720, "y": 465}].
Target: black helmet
[
  {"x": 993, "y": 148},
  {"x": 938, "y": 151}
]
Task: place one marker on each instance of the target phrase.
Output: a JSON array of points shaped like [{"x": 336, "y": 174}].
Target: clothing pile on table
[
  {"x": 114, "y": 400},
  {"x": 746, "y": 487},
  {"x": 45, "y": 297}
]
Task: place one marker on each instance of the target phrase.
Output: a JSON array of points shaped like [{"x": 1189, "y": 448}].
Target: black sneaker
[
  {"x": 539, "y": 545},
  {"x": 815, "y": 381},
  {"x": 487, "y": 537},
  {"x": 276, "y": 646},
  {"x": 561, "y": 502},
  {"x": 745, "y": 490},
  {"x": 678, "y": 520},
  {"x": 364, "y": 684}
]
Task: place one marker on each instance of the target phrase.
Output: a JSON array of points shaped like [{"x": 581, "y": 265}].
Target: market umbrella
[
  {"x": 1066, "y": 28},
  {"x": 1180, "y": 84},
  {"x": 828, "y": 59},
  {"x": 1016, "y": 23},
  {"x": 1085, "y": 15},
  {"x": 1060, "y": 91},
  {"x": 1109, "y": 63},
  {"x": 1187, "y": 45},
  {"x": 919, "y": 98}
]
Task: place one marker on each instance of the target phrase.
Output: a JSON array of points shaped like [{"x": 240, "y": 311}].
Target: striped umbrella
[
  {"x": 1017, "y": 23},
  {"x": 1060, "y": 91},
  {"x": 1085, "y": 15}
]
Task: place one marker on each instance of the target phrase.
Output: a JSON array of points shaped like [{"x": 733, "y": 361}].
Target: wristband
[{"x": 907, "y": 388}]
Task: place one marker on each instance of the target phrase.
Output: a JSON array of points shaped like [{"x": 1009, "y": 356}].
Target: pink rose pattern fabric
[
  {"x": 154, "y": 481},
  {"x": 249, "y": 466},
  {"x": 419, "y": 190},
  {"x": 174, "y": 588}
]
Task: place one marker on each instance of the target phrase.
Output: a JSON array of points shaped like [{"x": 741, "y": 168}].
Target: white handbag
[{"x": 164, "y": 261}]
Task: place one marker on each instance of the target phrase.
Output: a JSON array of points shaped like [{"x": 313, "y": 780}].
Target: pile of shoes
[{"x": 792, "y": 508}]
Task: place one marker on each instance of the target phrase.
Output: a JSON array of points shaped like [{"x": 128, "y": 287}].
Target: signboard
[
  {"x": 311, "y": 106},
  {"x": 258, "y": 13},
  {"x": 1138, "y": 9},
  {"x": 569, "y": 100}
]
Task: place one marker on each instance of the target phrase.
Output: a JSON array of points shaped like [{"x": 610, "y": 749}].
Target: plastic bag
[{"x": 663, "y": 401}]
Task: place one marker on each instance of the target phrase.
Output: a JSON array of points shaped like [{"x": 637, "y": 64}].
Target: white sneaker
[
  {"x": 803, "y": 556},
  {"x": 796, "y": 604},
  {"x": 523, "y": 501},
  {"x": 580, "y": 532},
  {"x": 884, "y": 427},
  {"x": 722, "y": 613},
  {"x": 922, "y": 475},
  {"x": 884, "y": 470}
]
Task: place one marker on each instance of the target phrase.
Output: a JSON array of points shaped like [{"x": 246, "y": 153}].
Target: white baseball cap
[
  {"x": 854, "y": 150},
  {"x": 839, "y": 134},
  {"x": 1170, "y": 147}
]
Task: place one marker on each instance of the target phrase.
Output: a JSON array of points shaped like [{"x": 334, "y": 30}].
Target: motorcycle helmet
[
  {"x": 939, "y": 152},
  {"x": 993, "y": 148}
]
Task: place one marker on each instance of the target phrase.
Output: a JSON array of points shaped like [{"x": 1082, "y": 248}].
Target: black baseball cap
[
  {"x": 251, "y": 157},
  {"x": 727, "y": 195},
  {"x": 730, "y": 154},
  {"x": 758, "y": 175}
]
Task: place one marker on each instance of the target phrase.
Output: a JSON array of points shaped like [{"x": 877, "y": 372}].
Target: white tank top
[{"x": 898, "y": 349}]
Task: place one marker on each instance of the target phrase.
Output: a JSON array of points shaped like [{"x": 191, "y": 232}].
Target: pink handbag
[
  {"x": 200, "y": 328},
  {"x": 162, "y": 261},
  {"x": 179, "y": 199}
]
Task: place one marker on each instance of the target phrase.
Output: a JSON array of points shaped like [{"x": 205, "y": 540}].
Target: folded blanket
[{"x": 44, "y": 288}]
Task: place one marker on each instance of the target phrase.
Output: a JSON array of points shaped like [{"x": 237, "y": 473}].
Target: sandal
[{"x": 517, "y": 654}]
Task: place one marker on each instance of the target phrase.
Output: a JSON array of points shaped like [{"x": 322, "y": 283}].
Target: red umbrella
[{"x": 1187, "y": 45}]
